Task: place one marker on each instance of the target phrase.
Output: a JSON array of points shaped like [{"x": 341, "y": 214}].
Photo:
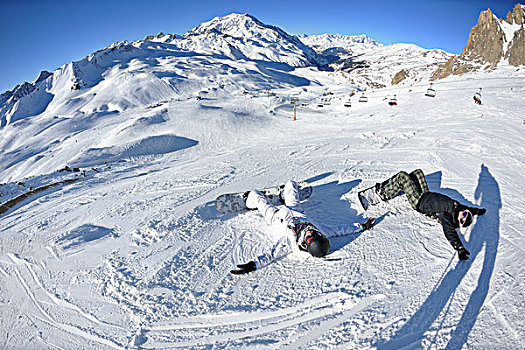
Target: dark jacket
[{"x": 445, "y": 210}]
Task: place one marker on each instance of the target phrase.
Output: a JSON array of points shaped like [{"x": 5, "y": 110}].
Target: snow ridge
[{"x": 352, "y": 42}]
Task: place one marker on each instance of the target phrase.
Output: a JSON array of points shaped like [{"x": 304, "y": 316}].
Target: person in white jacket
[{"x": 296, "y": 230}]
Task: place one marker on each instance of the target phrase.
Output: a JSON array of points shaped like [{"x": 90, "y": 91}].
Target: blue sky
[{"x": 41, "y": 35}]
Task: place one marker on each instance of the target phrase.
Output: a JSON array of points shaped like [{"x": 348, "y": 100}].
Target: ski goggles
[
  {"x": 311, "y": 235},
  {"x": 465, "y": 218}
]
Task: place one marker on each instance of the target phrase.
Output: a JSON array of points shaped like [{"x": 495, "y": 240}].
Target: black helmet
[
  {"x": 319, "y": 246},
  {"x": 465, "y": 218}
]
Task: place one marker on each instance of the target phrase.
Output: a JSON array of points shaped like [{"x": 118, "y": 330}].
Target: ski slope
[
  {"x": 134, "y": 255},
  {"x": 128, "y": 251}
]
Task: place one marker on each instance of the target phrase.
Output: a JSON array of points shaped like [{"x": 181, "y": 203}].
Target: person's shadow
[
  {"x": 328, "y": 207},
  {"x": 484, "y": 233}
]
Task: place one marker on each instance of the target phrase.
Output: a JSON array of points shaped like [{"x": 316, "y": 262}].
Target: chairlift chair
[
  {"x": 363, "y": 98},
  {"x": 348, "y": 104},
  {"x": 431, "y": 92},
  {"x": 393, "y": 101},
  {"x": 477, "y": 97}
]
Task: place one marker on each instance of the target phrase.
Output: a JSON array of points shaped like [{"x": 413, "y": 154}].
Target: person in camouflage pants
[
  {"x": 449, "y": 212},
  {"x": 413, "y": 184}
]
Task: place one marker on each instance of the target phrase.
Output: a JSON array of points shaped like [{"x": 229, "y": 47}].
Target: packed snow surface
[{"x": 133, "y": 254}]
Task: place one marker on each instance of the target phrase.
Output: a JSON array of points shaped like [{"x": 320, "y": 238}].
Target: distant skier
[
  {"x": 450, "y": 213},
  {"x": 295, "y": 229},
  {"x": 477, "y": 97}
]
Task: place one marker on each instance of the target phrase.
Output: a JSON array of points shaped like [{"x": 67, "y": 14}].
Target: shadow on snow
[
  {"x": 485, "y": 232},
  {"x": 325, "y": 207}
]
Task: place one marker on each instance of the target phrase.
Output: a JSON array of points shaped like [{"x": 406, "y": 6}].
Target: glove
[
  {"x": 368, "y": 224},
  {"x": 245, "y": 268},
  {"x": 463, "y": 253}
]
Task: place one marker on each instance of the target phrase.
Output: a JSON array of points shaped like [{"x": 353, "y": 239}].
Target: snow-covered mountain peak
[
  {"x": 235, "y": 25},
  {"x": 338, "y": 40},
  {"x": 243, "y": 36},
  {"x": 241, "y": 40},
  {"x": 240, "y": 30},
  {"x": 232, "y": 24}
]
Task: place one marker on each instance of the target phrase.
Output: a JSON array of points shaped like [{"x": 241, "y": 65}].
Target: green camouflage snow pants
[{"x": 413, "y": 184}]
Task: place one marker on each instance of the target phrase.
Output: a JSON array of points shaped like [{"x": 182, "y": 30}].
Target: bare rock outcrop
[
  {"x": 399, "y": 77},
  {"x": 488, "y": 44}
]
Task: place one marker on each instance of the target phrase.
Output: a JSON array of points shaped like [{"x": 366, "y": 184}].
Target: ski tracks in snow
[
  {"x": 328, "y": 310},
  {"x": 60, "y": 314}
]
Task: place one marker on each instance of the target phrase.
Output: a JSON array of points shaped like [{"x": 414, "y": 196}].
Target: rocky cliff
[{"x": 491, "y": 41}]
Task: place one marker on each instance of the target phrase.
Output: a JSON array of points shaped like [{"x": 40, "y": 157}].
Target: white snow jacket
[
  {"x": 285, "y": 220},
  {"x": 287, "y": 243}
]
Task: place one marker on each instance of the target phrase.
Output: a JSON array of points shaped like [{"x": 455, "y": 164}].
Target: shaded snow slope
[{"x": 131, "y": 101}]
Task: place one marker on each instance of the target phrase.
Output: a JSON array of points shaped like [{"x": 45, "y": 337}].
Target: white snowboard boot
[{"x": 254, "y": 199}]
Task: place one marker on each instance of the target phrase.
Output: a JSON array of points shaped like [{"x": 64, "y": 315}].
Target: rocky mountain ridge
[{"x": 491, "y": 42}]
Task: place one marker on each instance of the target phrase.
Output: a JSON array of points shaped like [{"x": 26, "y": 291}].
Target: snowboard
[
  {"x": 368, "y": 197},
  {"x": 234, "y": 202}
]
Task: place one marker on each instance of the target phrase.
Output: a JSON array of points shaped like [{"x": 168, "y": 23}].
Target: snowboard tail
[
  {"x": 235, "y": 202},
  {"x": 369, "y": 197}
]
